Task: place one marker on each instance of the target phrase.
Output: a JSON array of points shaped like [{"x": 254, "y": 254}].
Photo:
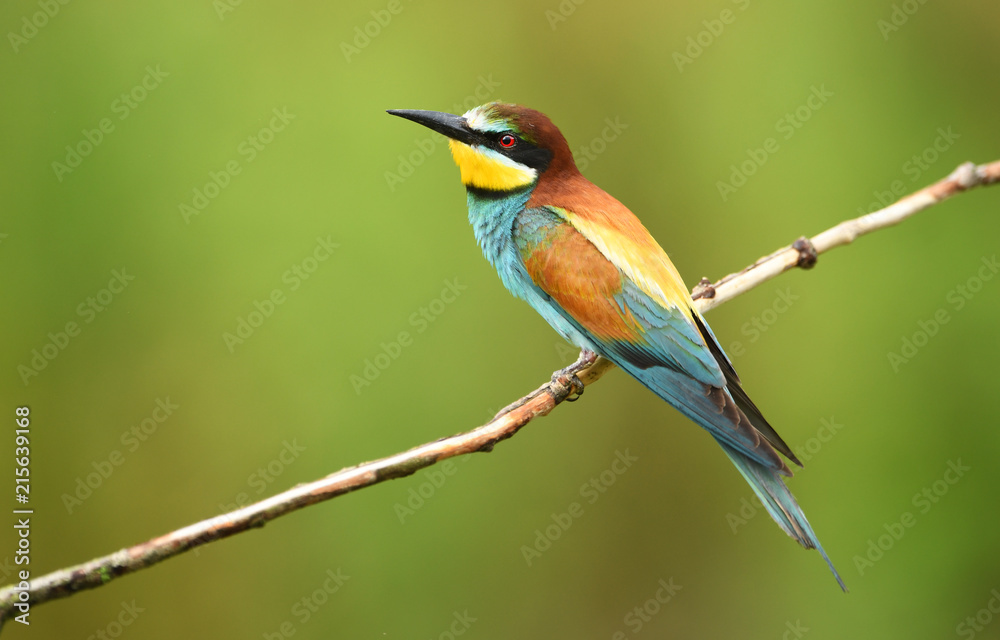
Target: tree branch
[
  {"x": 589, "y": 368},
  {"x": 803, "y": 252}
]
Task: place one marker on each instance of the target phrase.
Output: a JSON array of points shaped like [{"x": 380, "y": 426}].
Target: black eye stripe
[{"x": 521, "y": 150}]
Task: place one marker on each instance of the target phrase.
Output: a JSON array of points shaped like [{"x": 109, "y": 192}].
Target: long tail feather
[{"x": 779, "y": 502}]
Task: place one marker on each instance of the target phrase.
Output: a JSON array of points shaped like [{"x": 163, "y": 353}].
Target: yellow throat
[{"x": 485, "y": 169}]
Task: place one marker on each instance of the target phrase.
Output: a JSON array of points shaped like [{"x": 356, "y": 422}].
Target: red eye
[{"x": 507, "y": 141}]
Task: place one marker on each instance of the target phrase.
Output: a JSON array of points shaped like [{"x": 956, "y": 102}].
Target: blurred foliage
[{"x": 174, "y": 105}]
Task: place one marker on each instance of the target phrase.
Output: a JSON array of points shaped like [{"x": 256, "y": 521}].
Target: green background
[{"x": 672, "y": 514}]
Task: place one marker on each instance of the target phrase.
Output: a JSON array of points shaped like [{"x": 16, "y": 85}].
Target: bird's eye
[{"x": 507, "y": 141}]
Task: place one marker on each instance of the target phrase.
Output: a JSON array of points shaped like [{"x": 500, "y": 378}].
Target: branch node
[
  {"x": 704, "y": 289},
  {"x": 807, "y": 253},
  {"x": 966, "y": 176}
]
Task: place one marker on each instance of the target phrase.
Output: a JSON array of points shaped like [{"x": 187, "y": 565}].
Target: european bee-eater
[{"x": 584, "y": 262}]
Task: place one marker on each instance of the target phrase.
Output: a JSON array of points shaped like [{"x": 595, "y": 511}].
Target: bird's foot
[
  {"x": 568, "y": 378},
  {"x": 569, "y": 381}
]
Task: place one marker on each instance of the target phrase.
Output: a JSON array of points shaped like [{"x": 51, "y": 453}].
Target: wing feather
[{"x": 658, "y": 343}]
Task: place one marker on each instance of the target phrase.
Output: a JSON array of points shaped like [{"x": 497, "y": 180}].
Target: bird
[{"x": 589, "y": 267}]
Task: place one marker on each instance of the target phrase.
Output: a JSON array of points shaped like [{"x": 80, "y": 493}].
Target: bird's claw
[
  {"x": 575, "y": 386},
  {"x": 568, "y": 379}
]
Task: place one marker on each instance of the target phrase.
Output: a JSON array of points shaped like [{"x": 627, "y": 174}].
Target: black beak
[{"x": 447, "y": 124}]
